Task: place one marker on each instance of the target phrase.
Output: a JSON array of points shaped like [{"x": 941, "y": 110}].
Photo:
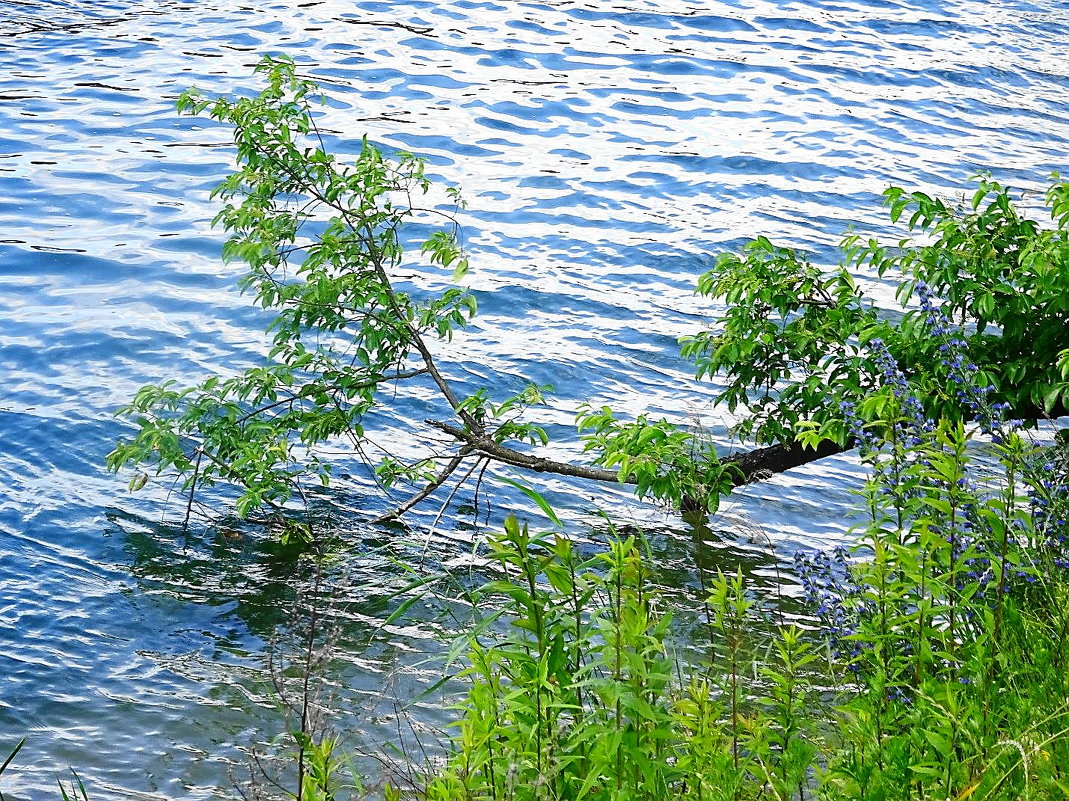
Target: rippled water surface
[{"x": 606, "y": 150}]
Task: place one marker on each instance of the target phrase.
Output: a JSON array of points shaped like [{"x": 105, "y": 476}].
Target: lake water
[{"x": 607, "y": 151}]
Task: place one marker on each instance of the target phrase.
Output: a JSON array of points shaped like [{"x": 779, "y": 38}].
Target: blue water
[{"x": 606, "y": 151}]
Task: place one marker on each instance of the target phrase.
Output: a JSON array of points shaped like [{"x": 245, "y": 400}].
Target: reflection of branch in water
[
  {"x": 380, "y": 23},
  {"x": 524, "y": 83},
  {"x": 45, "y": 23}
]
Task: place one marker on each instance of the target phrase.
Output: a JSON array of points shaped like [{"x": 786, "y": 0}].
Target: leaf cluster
[
  {"x": 663, "y": 460},
  {"x": 795, "y": 342},
  {"x": 790, "y": 343},
  {"x": 322, "y": 241}
]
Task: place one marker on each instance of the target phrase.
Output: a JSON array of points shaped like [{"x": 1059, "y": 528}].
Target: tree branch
[
  {"x": 754, "y": 465},
  {"x": 757, "y": 464},
  {"x": 434, "y": 484},
  {"x": 481, "y": 443},
  {"x": 761, "y": 463}
]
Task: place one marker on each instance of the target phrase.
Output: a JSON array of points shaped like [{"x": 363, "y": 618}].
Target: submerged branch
[
  {"x": 434, "y": 484},
  {"x": 757, "y": 464}
]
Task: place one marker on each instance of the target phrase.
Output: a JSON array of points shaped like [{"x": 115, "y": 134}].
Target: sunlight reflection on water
[{"x": 606, "y": 154}]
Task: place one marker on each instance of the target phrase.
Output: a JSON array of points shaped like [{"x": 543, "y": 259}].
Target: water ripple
[{"x": 605, "y": 152}]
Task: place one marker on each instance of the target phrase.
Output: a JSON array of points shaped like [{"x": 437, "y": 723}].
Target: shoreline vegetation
[{"x": 933, "y": 662}]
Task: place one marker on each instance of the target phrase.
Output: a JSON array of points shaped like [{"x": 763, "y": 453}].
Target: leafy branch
[
  {"x": 322, "y": 240},
  {"x": 793, "y": 347}
]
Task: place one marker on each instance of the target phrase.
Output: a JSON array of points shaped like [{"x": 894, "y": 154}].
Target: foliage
[
  {"x": 948, "y": 649},
  {"x": 796, "y": 342},
  {"x": 579, "y": 696},
  {"x": 323, "y": 241},
  {"x": 946, "y": 631},
  {"x": 789, "y": 334},
  {"x": 799, "y": 351},
  {"x": 939, "y": 668},
  {"x": 664, "y": 461},
  {"x": 75, "y": 791},
  {"x": 322, "y": 770},
  {"x": 952, "y": 630}
]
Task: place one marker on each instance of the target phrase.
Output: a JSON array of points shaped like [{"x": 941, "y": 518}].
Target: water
[{"x": 606, "y": 152}]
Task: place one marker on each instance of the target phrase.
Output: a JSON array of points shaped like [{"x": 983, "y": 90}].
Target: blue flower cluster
[
  {"x": 961, "y": 372},
  {"x": 901, "y": 455},
  {"x": 911, "y": 420},
  {"x": 835, "y": 597}
]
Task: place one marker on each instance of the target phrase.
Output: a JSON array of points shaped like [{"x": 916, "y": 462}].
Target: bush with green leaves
[
  {"x": 795, "y": 341},
  {"x": 950, "y": 631},
  {"x": 324, "y": 244}
]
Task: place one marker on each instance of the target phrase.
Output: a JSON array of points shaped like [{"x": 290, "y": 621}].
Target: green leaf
[
  {"x": 535, "y": 496},
  {"x": 12, "y": 755},
  {"x": 1052, "y": 395}
]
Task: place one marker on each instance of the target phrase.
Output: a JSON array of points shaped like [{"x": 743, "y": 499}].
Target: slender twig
[
  {"x": 434, "y": 484},
  {"x": 192, "y": 492},
  {"x": 445, "y": 505},
  {"x": 306, "y": 679},
  {"x": 502, "y": 453}
]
